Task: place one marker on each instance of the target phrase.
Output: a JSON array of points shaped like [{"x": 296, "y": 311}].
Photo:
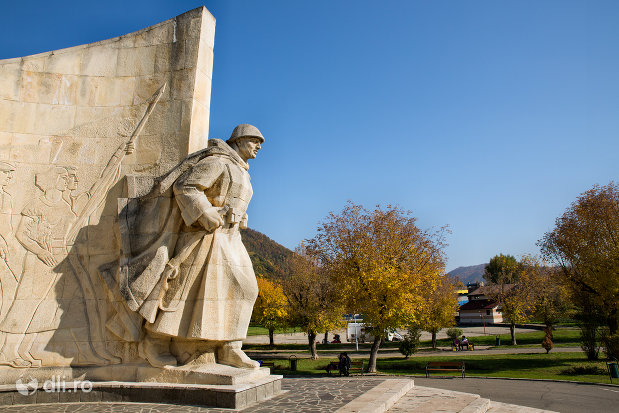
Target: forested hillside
[
  {"x": 472, "y": 273},
  {"x": 270, "y": 259}
]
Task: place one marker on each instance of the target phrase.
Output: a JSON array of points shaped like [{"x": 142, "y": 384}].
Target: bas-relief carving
[{"x": 54, "y": 313}]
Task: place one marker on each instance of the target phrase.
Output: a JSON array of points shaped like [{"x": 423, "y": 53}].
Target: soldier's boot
[
  {"x": 156, "y": 350},
  {"x": 230, "y": 353}
]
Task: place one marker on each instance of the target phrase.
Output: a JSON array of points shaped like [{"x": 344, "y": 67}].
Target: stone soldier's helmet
[{"x": 245, "y": 131}]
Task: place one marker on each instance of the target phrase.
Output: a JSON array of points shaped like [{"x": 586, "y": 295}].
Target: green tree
[
  {"x": 502, "y": 269},
  {"x": 410, "y": 344},
  {"x": 511, "y": 289},
  {"x": 313, "y": 302},
  {"x": 381, "y": 264},
  {"x": 585, "y": 245}
]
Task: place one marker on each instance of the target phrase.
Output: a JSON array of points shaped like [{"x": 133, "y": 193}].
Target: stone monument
[{"x": 120, "y": 252}]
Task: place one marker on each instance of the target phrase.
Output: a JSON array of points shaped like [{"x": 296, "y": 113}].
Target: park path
[{"x": 301, "y": 338}]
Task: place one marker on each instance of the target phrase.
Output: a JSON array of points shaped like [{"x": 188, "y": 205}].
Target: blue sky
[{"x": 490, "y": 117}]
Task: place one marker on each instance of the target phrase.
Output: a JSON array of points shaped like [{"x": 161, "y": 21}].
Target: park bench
[
  {"x": 444, "y": 366},
  {"x": 469, "y": 347},
  {"x": 355, "y": 366},
  {"x": 270, "y": 364}
]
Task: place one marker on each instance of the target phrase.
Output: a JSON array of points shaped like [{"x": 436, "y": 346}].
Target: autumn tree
[
  {"x": 381, "y": 264},
  {"x": 585, "y": 245},
  {"x": 441, "y": 307},
  {"x": 550, "y": 295},
  {"x": 313, "y": 302},
  {"x": 271, "y": 307}
]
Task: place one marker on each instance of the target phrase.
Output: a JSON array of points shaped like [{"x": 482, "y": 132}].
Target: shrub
[
  {"x": 589, "y": 340},
  {"x": 547, "y": 342},
  {"x": 584, "y": 370},
  {"x": 410, "y": 344},
  {"x": 453, "y": 333}
]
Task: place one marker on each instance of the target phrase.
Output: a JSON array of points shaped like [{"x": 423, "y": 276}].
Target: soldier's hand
[
  {"x": 210, "y": 219},
  {"x": 47, "y": 258}
]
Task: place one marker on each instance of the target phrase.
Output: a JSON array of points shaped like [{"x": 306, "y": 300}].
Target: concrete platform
[{"x": 235, "y": 396}]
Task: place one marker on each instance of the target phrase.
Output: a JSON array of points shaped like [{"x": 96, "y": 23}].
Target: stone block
[
  {"x": 53, "y": 119},
  {"x": 69, "y": 396},
  {"x": 162, "y": 33},
  {"x": 202, "y": 88},
  {"x": 30, "y": 86},
  {"x": 200, "y": 397},
  {"x": 251, "y": 396},
  {"x": 277, "y": 387},
  {"x": 19, "y": 398},
  {"x": 6, "y": 398},
  {"x": 43, "y": 396},
  {"x": 68, "y": 63},
  {"x": 231, "y": 400},
  {"x": 34, "y": 64},
  {"x": 261, "y": 393},
  {"x": 66, "y": 91},
  {"x": 9, "y": 81},
  {"x": 112, "y": 394},
  {"x": 139, "y": 61},
  {"x": 99, "y": 61},
  {"x": 268, "y": 390}
]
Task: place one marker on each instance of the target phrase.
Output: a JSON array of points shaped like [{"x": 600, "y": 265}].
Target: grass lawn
[
  {"x": 258, "y": 330},
  {"x": 557, "y": 366}
]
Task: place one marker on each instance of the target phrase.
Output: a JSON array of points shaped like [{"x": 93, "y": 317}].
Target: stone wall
[{"x": 68, "y": 123}]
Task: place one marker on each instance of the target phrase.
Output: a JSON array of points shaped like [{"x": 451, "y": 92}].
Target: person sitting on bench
[
  {"x": 464, "y": 343},
  {"x": 344, "y": 364}
]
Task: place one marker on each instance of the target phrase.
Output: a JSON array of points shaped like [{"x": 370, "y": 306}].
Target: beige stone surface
[{"x": 68, "y": 138}]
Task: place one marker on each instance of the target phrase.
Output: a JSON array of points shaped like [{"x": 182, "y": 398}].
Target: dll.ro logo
[{"x": 55, "y": 384}]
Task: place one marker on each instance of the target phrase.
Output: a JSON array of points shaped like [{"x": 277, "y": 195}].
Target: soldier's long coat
[{"x": 183, "y": 280}]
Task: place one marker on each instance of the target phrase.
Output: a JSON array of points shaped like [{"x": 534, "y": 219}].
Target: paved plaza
[{"x": 331, "y": 394}]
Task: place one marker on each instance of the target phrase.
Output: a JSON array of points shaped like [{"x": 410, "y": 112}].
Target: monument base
[{"x": 144, "y": 384}]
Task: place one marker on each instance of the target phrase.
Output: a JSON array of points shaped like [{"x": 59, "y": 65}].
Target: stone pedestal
[{"x": 231, "y": 396}]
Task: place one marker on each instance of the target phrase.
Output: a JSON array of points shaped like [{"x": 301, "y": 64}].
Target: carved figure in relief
[
  {"x": 55, "y": 290},
  {"x": 44, "y": 223},
  {"x": 6, "y": 229},
  {"x": 191, "y": 280},
  {"x": 6, "y": 207}
]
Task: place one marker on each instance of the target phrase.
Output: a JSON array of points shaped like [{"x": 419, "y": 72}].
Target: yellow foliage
[
  {"x": 381, "y": 263},
  {"x": 271, "y": 307}
]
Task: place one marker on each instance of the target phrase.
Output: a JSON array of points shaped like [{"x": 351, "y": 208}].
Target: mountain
[
  {"x": 270, "y": 259},
  {"x": 468, "y": 274}
]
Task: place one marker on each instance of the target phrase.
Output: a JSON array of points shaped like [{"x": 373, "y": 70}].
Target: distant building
[
  {"x": 481, "y": 308},
  {"x": 463, "y": 294}
]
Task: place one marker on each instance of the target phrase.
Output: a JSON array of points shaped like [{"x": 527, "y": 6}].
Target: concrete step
[
  {"x": 380, "y": 398},
  {"x": 429, "y": 400}
]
